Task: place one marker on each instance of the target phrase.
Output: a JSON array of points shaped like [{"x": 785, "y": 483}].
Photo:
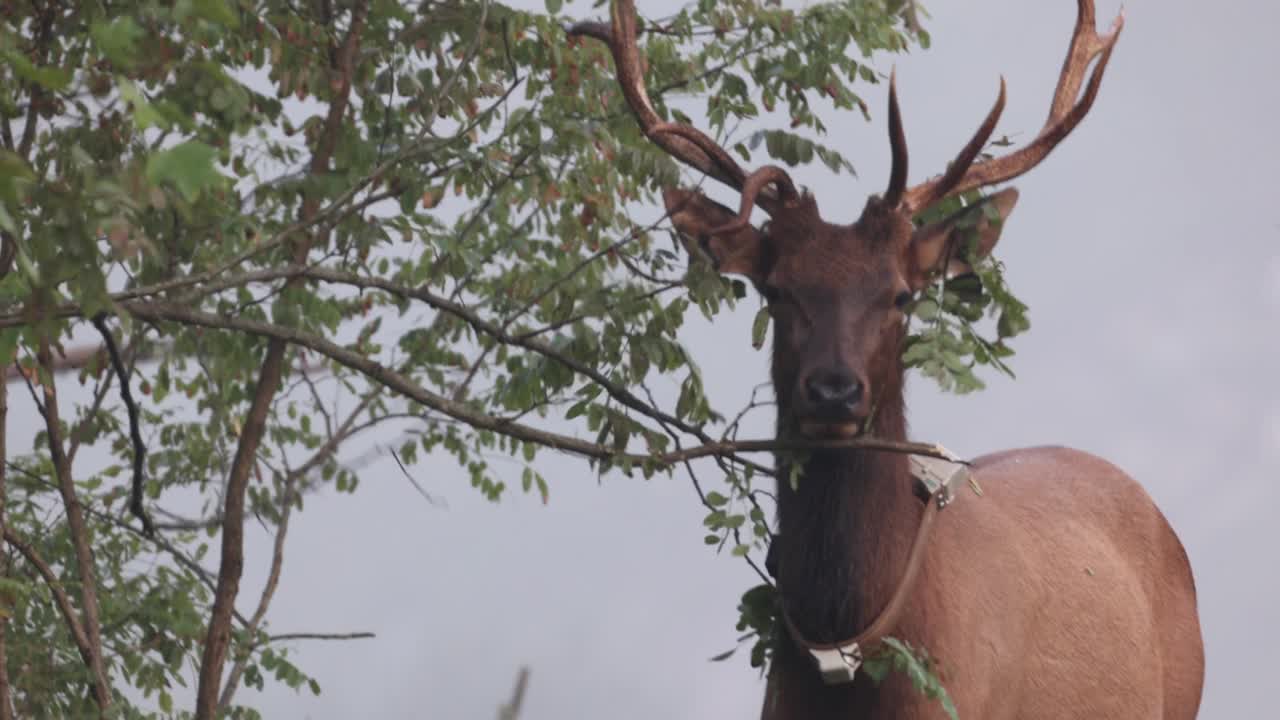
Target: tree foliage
[{"x": 299, "y": 222}]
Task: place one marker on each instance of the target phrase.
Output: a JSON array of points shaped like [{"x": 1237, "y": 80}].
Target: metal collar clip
[{"x": 938, "y": 478}]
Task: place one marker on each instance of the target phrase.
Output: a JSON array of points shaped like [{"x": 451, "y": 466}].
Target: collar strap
[{"x": 937, "y": 481}]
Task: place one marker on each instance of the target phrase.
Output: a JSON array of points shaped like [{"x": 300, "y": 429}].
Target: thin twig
[
  {"x": 285, "y": 637},
  {"x": 702, "y": 496},
  {"x": 77, "y": 435},
  {"x": 412, "y": 480},
  {"x": 135, "y": 432}
]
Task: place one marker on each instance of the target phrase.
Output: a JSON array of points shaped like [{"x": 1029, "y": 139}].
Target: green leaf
[
  {"x": 188, "y": 167},
  {"x": 13, "y": 166},
  {"x": 1012, "y": 323},
  {"x": 897, "y": 655},
  {"x": 216, "y": 11},
  {"x": 759, "y": 327},
  {"x": 14, "y": 173},
  {"x": 50, "y": 78},
  {"x": 926, "y": 309},
  {"x": 144, "y": 115},
  {"x": 118, "y": 40},
  {"x": 724, "y": 655}
]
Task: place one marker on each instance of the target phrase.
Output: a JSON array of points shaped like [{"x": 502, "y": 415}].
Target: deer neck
[{"x": 846, "y": 530}]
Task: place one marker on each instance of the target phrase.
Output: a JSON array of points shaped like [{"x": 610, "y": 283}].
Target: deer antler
[
  {"x": 683, "y": 142},
  {"x": 1065, "y": 113},
  {"x": 898, "y": 144}
]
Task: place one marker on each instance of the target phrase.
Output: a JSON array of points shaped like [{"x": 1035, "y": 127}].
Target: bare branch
[
  {"x": 135, "y": 432},
  {"x": 511, "y": 710},
  {"x": 79, "y": 534},
  {"x": 268, "y": 592},
  {"x": 412, "y": 480},
  {"x": 285, "y": 637},
  {"x": 79, "y": 430},
  {"x": 6, "y": 708},
  {"x": 8, "y": 245},
  {"x": 345, "y": 430}
]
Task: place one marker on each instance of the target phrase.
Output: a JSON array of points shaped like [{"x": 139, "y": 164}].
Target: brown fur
[{"x": 1061, "y": 592}]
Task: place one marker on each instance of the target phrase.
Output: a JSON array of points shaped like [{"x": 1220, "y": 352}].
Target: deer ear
[
  {"x": 741, "y": 252},
  {"x": 939, "y": 242}
]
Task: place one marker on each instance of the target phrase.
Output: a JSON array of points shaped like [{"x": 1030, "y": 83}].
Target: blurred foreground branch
[{"x": 511, "y": 710}]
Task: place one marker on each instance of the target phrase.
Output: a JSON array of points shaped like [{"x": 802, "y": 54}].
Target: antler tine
[
  {"x": 898, "y": 144},
  {"x": 929, "y": 192},
  {"x": 755, "y": 184},
  {"x": 703, "y": 142},
  {"x": 1086, "y": 45},
  {"x": 1065, "y": 113},
  {"x": 682, "y": 142}
]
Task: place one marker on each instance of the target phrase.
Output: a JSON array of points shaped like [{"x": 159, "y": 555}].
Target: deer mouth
[{"x": 831, "y": 430}]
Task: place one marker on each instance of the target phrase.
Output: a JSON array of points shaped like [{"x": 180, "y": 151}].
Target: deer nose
[{"x": 834, "y": 390}]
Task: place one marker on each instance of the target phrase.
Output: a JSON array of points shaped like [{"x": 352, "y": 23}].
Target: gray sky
[{"x": 1147, "y": 251}]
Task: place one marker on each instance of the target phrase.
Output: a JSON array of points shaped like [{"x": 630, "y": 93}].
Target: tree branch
[
  {"x": 135, "y": 432},
  {"x": 482, "y": 421},
  {"x": 79, "y": 533},
  {"x": 268, "y": 592},
  {"x": 8, "y": 245},
  {"x": 284, "y": 637},
  {"x": 422, "y": 294},
  {"x": 232, "y": 562},
  {"x": 44, "y": 34},
  {"x": 511, "y": 710},
  {"x": 6, "y": 707}
]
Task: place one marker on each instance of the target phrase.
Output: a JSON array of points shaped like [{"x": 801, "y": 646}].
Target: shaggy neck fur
[{"x": 847, "y": 528}]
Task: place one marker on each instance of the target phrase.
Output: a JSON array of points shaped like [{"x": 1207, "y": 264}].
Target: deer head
[{"x": 837, "y": 292}]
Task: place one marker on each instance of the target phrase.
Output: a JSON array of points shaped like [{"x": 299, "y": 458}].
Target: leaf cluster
[{"x": 952, "y": 334}]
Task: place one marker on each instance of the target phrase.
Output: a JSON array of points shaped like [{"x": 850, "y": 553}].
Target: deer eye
[{"x": 901, "y": 300}]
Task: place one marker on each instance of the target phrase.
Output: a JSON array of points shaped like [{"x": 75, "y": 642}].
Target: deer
[{"x": 1061, "y": 591}]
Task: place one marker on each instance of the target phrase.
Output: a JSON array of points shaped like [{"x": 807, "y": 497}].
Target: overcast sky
[{"x": 1149, "y": 252}]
